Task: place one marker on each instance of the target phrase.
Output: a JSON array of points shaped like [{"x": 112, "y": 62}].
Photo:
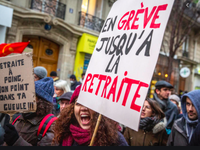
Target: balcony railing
[
  {"x": 90, "y": 22},
  {"x": 52, "y": 7}
]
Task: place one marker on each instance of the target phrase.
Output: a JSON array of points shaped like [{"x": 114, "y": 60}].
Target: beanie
[
  {"x": 53, "y": 73},
  {"x": 174, "y": 97},
  {"x": 73, "y": 77},
  {"x": 44, "y": 88},
  {"x": 40, "y": 71},
  {"x": 75, "y": 94}
]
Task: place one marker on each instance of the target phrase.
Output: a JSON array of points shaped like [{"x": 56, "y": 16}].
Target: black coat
[
  {"x": 195, "y": 140},
  {"x": 74, "y": 85},
  {"x": 4, "y": 119}
]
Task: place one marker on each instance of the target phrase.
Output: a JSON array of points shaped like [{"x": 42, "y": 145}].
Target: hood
[
  {"x": 160, "y": 126},
  {"x": 194, "y": 96}
]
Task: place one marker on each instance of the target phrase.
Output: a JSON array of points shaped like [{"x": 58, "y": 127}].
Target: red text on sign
[
  {"x": 129, "y": 19},
  {"x": 112, "y": 90}
]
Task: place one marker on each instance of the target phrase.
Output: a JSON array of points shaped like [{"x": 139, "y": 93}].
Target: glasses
[{"x": 146, "y": 107}]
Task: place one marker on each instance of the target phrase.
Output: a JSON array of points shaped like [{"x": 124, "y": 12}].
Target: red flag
[{"x": 6, "y": 49}]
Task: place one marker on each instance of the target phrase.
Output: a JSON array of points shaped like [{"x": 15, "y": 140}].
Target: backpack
[{"x": 44, "y": 125}]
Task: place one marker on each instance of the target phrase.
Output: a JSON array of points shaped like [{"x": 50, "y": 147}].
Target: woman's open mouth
[{"x": 85, "y": 119}]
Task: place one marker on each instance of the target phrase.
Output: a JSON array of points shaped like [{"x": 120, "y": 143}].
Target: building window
[
  {"x": 86, "y": 61},
  {"x": 92, "y": 7},
  {"x": 185, "y": 47},
  {"x": 90, "y": 14},
  {"x": 49, "y": 52},
  {"x": 53, "y": 7}
]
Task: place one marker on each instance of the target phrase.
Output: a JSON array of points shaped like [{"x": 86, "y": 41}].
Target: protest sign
[
  {"x": 17, "y": 88},
  {"x": 122, "y": 64}
]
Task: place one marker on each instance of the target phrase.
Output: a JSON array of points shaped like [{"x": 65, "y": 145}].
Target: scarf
[
  {"x": 148, "y": 123},
  {"x": 81, "y": 136},
  {"x": 162, "y": 103},
  {"x": 190, "y": 126}
]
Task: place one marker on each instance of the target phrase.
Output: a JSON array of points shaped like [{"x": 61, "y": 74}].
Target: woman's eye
[{"x": 77, "y": 104}]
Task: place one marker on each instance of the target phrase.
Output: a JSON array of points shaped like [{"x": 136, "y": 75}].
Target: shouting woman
[{"x": 76, "y": 125}]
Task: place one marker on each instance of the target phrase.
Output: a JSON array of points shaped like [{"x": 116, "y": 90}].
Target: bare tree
[{"x": 183, "y": 18}]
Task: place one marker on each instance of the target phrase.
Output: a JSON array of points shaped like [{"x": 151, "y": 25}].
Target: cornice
[{"x": 187, "y": 60}]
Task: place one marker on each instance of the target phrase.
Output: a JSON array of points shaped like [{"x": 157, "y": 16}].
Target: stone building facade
[{"x": 54, "y": 28}]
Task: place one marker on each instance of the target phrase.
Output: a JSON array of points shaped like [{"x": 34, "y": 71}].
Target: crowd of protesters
[{"x": 166, "y": 119}]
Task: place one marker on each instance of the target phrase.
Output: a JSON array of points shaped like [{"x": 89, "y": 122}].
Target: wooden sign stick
[
  {"x": 95, "y": 130},
  {"x": 11, "y": 116}
]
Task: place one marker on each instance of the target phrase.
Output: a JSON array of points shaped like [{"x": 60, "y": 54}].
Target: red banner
[{"x": 6, "y": 49}]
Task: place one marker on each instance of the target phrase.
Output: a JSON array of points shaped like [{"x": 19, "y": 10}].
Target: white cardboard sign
[{"x": 122, "y": 64}]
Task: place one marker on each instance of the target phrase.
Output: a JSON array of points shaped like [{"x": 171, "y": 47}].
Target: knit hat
[
  {"x": 40, "y": 71},
  {"x": 163, "y": 83},
  {"x": 174, "y": 97},
  {"x": 44, "y": 88},
  {"x": 53, "y": 73},
  {"x": 75, "y": 94},
  {"x": 65, "y": 96},
  {"x": 73, "y": 77}
]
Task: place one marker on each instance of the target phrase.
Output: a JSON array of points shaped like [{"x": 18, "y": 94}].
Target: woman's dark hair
[
  {"x": 156, "y": 110},
  {"x": 107, "y": 131},
  {"x": 43, "y": 107}
]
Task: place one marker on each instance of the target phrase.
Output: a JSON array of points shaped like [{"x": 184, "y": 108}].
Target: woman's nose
[{"x": 83, "y": 107}]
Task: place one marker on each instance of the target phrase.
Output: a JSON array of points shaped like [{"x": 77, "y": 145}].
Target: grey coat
[{"x": 178, "y": 136}]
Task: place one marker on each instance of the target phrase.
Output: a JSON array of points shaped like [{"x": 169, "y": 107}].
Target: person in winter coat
[
  {"x": 151, "y": 129},
  {"x": 76, "y": 123},
  {"x": 24, "y": 131},
  {"x": 61, "y": 87},
  {"x": 184, "y": 127},
  {"x": 161, "y": 95},
  {"x": 53, "y": 75},
  {"x": 4, "y": 119},
  {"x": 64, "y": 100},
  {"x": 176, "y": 100},
  {"x": 39, "y": 73},
  {"x": 74, "y": 82}
]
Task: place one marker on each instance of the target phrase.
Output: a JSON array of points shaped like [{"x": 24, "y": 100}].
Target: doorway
[{"x": 45, "y": 52}]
